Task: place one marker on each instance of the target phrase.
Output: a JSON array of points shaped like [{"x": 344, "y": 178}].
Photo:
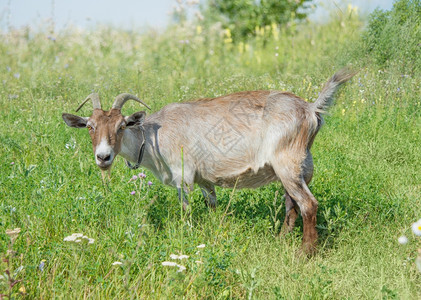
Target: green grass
[{"x": 367, "y": 171}]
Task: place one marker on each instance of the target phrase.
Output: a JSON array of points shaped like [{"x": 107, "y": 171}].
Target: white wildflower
[
  {"x": 199, "y": 262},
  {"x": 117, "y": 263},
  {"x": 175, "y": 256},
  {"x": 78, "y": 238},
  {"x": 201, "y": 246},
  {"x": 416, "y": 228},
  {"x": 70, "y": 238},
  {"x": 173, "y": 264},
  {"x": 181, "y": 268},
  {"x": 169, "y": 264}
]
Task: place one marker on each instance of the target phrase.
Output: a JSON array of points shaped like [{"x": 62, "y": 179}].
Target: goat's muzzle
[{"x": 104, "y": 155}]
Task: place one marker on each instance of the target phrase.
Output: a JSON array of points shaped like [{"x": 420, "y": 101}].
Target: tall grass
[{"x": 367, "y": 176}]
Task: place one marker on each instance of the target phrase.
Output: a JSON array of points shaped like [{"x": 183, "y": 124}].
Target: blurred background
[{"x": 129, "y": 14}]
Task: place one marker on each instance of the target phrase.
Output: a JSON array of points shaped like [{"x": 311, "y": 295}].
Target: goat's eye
[
  {"x": 122, "y": 127},
  {"x": 89, "y": 127}
]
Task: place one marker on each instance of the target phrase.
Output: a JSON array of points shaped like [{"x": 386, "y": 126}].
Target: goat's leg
[
  {"x": 307, "y": 203},
  {"x": 297, "y": 188},
  {"x": 291, "y": 207},
  {"x": 208, "y": 192},
  {"x": 291, "y": 215}
]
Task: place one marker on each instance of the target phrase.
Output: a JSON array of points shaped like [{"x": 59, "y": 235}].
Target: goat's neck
[
  {"x": 131, "y": 144},
  {"x": 152, "y": 160}
]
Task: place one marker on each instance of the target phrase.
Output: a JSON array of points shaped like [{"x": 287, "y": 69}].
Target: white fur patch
[{"x": 104, "y": 149}]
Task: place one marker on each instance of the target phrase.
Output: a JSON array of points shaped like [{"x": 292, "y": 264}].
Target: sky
[{"x": 127, "y": 14}]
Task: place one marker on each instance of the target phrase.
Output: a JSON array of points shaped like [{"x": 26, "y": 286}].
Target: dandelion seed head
[{"x": 403, "y": 240}]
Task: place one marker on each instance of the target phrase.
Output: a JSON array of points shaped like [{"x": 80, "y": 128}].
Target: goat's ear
[
  {"x": 74, "y": 121},
  {"x": 135, "y": 119}
]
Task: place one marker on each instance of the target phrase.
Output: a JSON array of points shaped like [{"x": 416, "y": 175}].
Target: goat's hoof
[
  {"x": 211, "y": 206},
  {"x": 307, "y": 250}
]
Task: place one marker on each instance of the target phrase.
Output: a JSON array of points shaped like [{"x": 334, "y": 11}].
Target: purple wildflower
[
  {"x": 41, "y": 266},
  {"x": 142, "y": 175},
  {"x": 134, "y": 177},
  {"x": 132, "y": 192},
  {"x": 149, "y": 183}
]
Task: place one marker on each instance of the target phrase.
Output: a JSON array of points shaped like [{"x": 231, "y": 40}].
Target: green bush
[
  {"x": 393, "y": 38},
  {"x": 242, "y": 17}
]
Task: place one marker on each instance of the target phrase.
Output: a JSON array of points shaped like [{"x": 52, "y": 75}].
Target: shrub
[{"x": 393, "y": 38}]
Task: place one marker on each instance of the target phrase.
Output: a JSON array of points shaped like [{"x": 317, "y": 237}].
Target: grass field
[{"x": 367, "y": 171}]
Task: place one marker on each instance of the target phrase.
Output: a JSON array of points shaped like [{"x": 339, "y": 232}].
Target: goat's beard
[{"x": 106, "y": 173}]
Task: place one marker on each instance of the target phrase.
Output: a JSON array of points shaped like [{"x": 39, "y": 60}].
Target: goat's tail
[{"x": 328, "y": 92}]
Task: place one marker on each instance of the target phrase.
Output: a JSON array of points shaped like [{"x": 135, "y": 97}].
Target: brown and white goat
[{"x": 243, "y": 140}]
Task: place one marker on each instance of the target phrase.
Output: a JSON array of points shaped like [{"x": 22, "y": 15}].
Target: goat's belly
[{"x": 248, "y": 178}]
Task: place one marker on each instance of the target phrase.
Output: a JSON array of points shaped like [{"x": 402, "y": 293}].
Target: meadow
[{"x": 367, "y": 170}]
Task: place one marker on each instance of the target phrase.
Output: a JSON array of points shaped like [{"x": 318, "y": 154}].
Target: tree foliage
[{"x": 243, "y": 16}]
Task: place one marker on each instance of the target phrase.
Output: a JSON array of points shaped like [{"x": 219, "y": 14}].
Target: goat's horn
[
  {"x": 122, "y": 98},
  {"x": 95, "y": 101}
]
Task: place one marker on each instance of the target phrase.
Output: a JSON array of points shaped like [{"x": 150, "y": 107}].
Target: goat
[{"x": 243, "y": 140}]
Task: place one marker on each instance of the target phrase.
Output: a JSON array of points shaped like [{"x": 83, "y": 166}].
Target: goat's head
[{"x": 106, "y": 128}]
